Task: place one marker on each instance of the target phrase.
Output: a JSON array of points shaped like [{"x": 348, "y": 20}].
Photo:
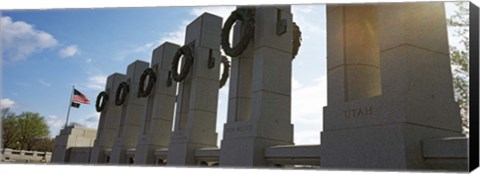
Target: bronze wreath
[
  {"x": 297, "y": 39},
  {"x": 121, "y": 96},
  {"x": 187, "y": 54},
  {"x": 246, "y": 16},
  {"x": 101, "y": 106},
  {"x": 226, "y": 71},
  {"x": 152, "y": 78}
]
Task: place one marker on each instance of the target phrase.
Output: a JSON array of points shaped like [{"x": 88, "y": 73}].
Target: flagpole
[{"x": 69, "y": 106}]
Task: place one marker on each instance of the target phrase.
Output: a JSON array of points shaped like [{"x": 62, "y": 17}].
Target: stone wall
[
  {"x": 71, "y": 136},
  {"x": 24, "y": 156}
]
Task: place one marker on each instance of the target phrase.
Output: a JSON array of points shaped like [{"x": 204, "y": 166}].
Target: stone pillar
[
  {"x": 389, "y": 85},
  {"x": 198, "y": 94},
  {"x": 352, "y": 51},
  {"x": 109, "y": 121},
  {"x": 157, "y": 120},
  {"x": 240, "y": 89},
  {"x": 131, "y": 114},
  {"x": 264, "y": 85}
]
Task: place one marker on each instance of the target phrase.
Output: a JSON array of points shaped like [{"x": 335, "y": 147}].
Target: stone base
[
  {"x": 59, "y": 154},
  {"x": 244, "y": 143},
  {"x": 183, "y": 154},
  {"x": 393, "y": 146},
  {"x": 246, "y": 151},
  {"x": 98, "y": 155},
  {"x": 79, "y": 155},
  {"x": 118, "y": 155},
  {"x": 145, "y": 153}
]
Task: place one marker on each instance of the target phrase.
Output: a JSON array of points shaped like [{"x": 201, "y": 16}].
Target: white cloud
[
  {"x": 44, "y": 83},
  {"x": 6, "y": 103},
  {"x": 295, "y": 83},
  {"x": 176, "y": 37},
  {"x": 96, "y": 82},
  {"x": 54, "y": 124},
  {"x": 21, "y": 39},
  {"x": 145, "y": 47},
  {"x": 69, "y": 51},
  {"x": 304, "y": 98},
  {"x": 309, "y": 96},
  {"x": 307, "y": 137},
  {"x": 309, "y": 26},
  {"x": 307, "y": 111},
  {"x": 88, "y": 60},
  {"x": 90, "y": 121}
]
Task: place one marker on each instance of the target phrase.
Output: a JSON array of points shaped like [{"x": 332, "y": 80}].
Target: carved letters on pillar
[{"x": 351, "y": 113}]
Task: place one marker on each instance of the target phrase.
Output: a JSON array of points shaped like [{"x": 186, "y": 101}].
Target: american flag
[{"x": 79, "y": 97}]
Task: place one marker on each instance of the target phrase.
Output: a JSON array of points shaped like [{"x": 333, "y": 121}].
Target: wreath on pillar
[
  {"x": 247, "y": 17},
  {"x": 226, "y": 71},
  {"x": 297, "y": 40},
  {"x": 121, "y": 93},
  {"x": 103, "y": 96},
  {"x": 152, "y": 78},
  {"x": 187, "y": 54}
]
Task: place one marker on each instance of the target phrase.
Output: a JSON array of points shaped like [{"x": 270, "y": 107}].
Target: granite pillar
[
  {"x": 389, "y": 85},
  {"x": 262, "y": 86},
  {"x": 156, "y": 127},
  {"x": 130, "y": 119},
  {"x": 197, "y": 98},
  {"x": 109, "y": 121}
]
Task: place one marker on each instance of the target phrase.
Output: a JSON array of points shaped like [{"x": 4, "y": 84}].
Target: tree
[
  {"x": 9, "y": 128},
  {"x": 31, "y": 126},
  {"x": 5, "y": 112},
  {"x": 44, "y": 144},
  {"x": 459, "y": 59},
  {"x": 25, "y": 131}
]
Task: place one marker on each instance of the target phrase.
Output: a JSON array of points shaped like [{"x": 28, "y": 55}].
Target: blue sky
[{"x": 45, "y": 52}]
